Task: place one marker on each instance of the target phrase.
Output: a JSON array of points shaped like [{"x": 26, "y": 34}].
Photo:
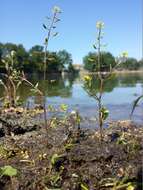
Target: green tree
[
  {"x": 36, "y": 59},
  {"x": 130, "y": 64},
  {"x": 65, "y": 60},
  {"x": 22, "y": 57},
  {"x": 53, "y": 63},
  {"x": 1, "y": 55},
  {"x": 91, "y": 61},
  {"x": 21, "y": 54},
  {"x": 140, "y": 62}
]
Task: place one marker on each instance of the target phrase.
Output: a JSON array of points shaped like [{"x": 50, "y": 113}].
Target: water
[{"x": 119, "y": 94}]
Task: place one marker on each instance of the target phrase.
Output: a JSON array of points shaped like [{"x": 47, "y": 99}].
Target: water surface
[{"x": 119, "y": 94}]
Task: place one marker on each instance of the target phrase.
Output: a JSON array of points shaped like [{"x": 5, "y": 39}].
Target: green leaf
[
  {"x": 91, "y": 59},
  {"x": 131, "y": 187},
  {"x": 51, "y": 108},
  {"x": 54, "y": 159},
  {"x": 135, "y": 103},
  {"x": 36, "y": 86},
  {"x": 57, "y": 20},
  {"x": 105, "y": 113},
  {"x": 46, "y": 40},
  {"x": 44, "y": 26},
  {"x": 69, "y": 146},
  {"x": 83, "y": 187},
  {"x": 55, "y": 34},
  {"x": 63, "y": 107},
  {"x": 8, "y": 171},
  {"x": 94, "y": 46}
]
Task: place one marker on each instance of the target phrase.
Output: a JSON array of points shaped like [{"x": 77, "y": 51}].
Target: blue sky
[{"x": 21, "y": 22}]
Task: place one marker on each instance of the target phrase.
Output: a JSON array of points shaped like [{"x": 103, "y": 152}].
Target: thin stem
[
  {"x": 30, "y": 84},
  {"x": 99, "y": 108},
  {"x": 45, "y": 66},
  {"x": 100, "y": 120},
  {"x": 47, "y": 43}
]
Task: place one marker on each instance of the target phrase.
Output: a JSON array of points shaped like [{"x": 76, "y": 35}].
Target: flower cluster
[
  {"x": 56, "y": 9},
  {"x": 124, "y": 54},
  {"x": 87, "y": 78},
  {"x": 100, "y": 25}
]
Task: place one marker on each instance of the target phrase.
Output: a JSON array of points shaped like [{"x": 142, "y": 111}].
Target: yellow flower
[
  {"x": 87, "y": 78},
  {"x": 100, "y": 24},
  {"x": 124, "y": 54}
]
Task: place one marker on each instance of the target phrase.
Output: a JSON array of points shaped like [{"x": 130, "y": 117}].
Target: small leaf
[
  {"x": 57, "y": 20},
  {"x": 55, "y": 34},
  {"x": 8, "y": 171},
  {"x": 94, "y": 46},
  {"x": 51, "y": 108},
  {"x": 104, "y": 113},
  {"x": 46, "y": 40},
  {"x": 36, "y": 86},
  {"x": 54, "y": 159},
  {"x": 135, "y": 103},
  {"x": 131, "y": 187},
  {"x": 63, "y": 107},
  {"x": 91, "y": 59},
  {"x": 83, "y": 187},
  {"x": 44, "y": 26},
  {"x": 69, "y": 146}
]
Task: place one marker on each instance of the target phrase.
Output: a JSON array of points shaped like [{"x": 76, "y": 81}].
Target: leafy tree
[
  {"x": 91, "y": 61},
  {"x": 53, "y": 63},
  {"x": 1, "y": 55},
  {"x": 21, "y": 54},
  {"x": 107, "y": 60},
  {"x": 130, "y": 64},
  {"x": 22, "y": 57},
  {"x": 36, "y": 59},
  {"x": 36, "y": 49},
  {"x": 65, "y": 59},
  {"x": 141, "y": 63}
]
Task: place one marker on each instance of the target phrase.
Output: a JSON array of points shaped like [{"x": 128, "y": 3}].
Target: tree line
[
  {"x": 108, "y": 60},
  {"x": 33, "y": 59}
]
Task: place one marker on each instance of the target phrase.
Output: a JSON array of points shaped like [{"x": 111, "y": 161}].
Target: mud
[{"x": 69, "y": 158}]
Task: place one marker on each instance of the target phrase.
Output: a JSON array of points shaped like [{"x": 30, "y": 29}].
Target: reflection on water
[{"x": 119, "y": 93}]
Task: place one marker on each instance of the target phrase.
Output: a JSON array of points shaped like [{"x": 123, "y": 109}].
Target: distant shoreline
[{"x": 117, "y": 72}]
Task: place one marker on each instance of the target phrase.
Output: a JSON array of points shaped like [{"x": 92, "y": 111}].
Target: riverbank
[
  {"x": 84, "y": 72},
  {"x": 66, "y": 157}
]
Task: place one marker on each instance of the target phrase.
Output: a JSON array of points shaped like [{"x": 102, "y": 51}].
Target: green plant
[
  {"x": 50, "y": 27},
  {"x": 90, "y": 61},
  {"x": 84, "y": 187},
  {"x": 55, "y": 158},
  {"x": 135, "y": 104},
  {"x": 101, "y": 77},
  {"x": 8, "y": 171},
  {"x": 12, "y": 80}
]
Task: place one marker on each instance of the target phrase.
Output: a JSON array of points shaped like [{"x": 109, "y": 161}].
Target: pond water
[{"x": 119, "y": 94}]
